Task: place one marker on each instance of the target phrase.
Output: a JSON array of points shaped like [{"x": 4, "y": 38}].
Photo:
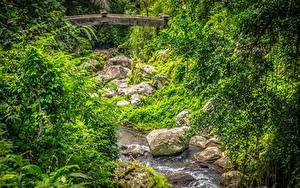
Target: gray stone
[
  {"x": 135, "y": 99},
  {"x": 231, "y": 178},
  {"x": 199, "y": 141},
  {"x": 143, "y": 88},
  {"x": 166, "y": 142},
  {"x": 160, "y": 81},
  {"x": 222, "y": 162},
  {"x": 210, "y": 154},
  {"x": 121, "y": 103},
  {"x": 180, "y": 179},
  {"x": 119, "y": 60},
  {"x": 113, "y": 72},
  {"x": 182, "y": 118},
  {"x": 121, "y": 83},
  {"x": 213, "y": 142},
  {"x": 147, "y": 69},
  {"x": 110, "y": 93},
  {"x": 135, "y": 150}
]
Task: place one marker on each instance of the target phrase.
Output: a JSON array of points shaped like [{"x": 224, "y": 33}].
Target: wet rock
[
  {"x": 231, "y": 178},
  {"x": 182, "y": 118},
  {"x": 143, "y": 88},
  {"x": 166, "y": 142},
  {"x": 147, "y": 69},
  {"x": 135, "y": 99},
  {"x": 210, "y": 154},
  {"x": 121, "y": 103},
  {"x": 213, "y": 142},
  {"x": 113, "y": 72},
  {"x": 133, "y": 175},
  {"x": 119, "y": 60},
  {"x": 222, "y": 162},
  {"x": 135, "y": 150},
  {"x": 160, "y": 81},
  {"x": 180, "y": 179},
  {"x": 121, "y": 83},
  {"x": 199, "y": 141}
]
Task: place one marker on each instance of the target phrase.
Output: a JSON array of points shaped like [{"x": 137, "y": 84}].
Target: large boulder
[
  {"x": 119, "y": 60},
  {"x": 113, "y": 72},
  {"x": 210, "y": 155},
  {"x": 180, "y": 179},
  {"x": 182, "y": 119},
  {"x": 143, "y": 88},
  {"x": 199, "y": 141},
  {"x": 166, "y": 142},
  {"x": 132, "y": 175}
]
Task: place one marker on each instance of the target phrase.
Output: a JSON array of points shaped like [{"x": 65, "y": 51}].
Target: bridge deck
[{"x": 117, "y": 19}]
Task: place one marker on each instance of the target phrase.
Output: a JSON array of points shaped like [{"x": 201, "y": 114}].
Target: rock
[
  {"x": 121, "y": 103},
  {"x": 208, "y": 106},
  {"x": 132, "y": 175},
  {"x": 121, "y": 83},
  {"x": 213, "y": 142},
  {"x": 210, "y": 154},
  {"x": 199, "y": 141},
  {"x": 147, "y": 69},
  {"x": 160, "y": 81},
  {"x": 135, "y": 150},
  {"x": 119, "y": 60},
  {"x": 231, "y": 178},
  {"x": 166, "y": 142},
  {"x": 222, "y": 162},
  {"x": 113, "y": 72},
  {"x": 135, "y": 99},
  {"x": 142, "y": 88},
  {"x": 182, "y": 118},
  {"x": 110, "y": 93},
  {"x": 180, "y": 179}
]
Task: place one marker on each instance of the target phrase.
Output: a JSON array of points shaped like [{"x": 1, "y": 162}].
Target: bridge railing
[{"x": 119, "y": 19}]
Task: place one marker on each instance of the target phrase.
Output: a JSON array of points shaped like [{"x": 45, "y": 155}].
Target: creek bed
[{"x": 206, "y": 175}]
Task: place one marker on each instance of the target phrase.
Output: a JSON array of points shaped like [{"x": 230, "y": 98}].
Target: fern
[
  {"x": 89, "y": 32},
  {"x": 106, "y": 4}
]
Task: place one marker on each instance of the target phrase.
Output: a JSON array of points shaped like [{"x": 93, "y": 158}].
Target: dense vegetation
[{"x": 242, "y": 55}]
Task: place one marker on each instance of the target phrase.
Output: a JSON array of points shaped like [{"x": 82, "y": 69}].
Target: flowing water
[{"x": 206, "y": 176}]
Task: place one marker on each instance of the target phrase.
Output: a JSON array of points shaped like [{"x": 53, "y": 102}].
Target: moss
[{"x": 130, "y": 174}]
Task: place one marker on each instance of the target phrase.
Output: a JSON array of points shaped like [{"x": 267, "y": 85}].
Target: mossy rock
[{"x": 133, "y": 175}]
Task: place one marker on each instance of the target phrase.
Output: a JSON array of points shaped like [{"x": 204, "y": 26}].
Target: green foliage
[
  {"x": 49, "y": 112},
  {"x": 245, "y": 56}
]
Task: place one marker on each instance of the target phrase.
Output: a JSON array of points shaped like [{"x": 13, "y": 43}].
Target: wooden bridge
[{"x": 119, "y": 19}]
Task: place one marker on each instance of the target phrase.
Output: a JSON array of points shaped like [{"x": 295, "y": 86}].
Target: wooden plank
[{"x": 117, "y": 19}]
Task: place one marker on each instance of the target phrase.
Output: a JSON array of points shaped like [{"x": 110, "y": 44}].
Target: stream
[{"x": 206, "y": 175}]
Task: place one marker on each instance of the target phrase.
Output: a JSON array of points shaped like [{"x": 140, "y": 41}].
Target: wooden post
[
  {"x": 103, "y": 13},
  {"x": 165, "y": 17}
]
